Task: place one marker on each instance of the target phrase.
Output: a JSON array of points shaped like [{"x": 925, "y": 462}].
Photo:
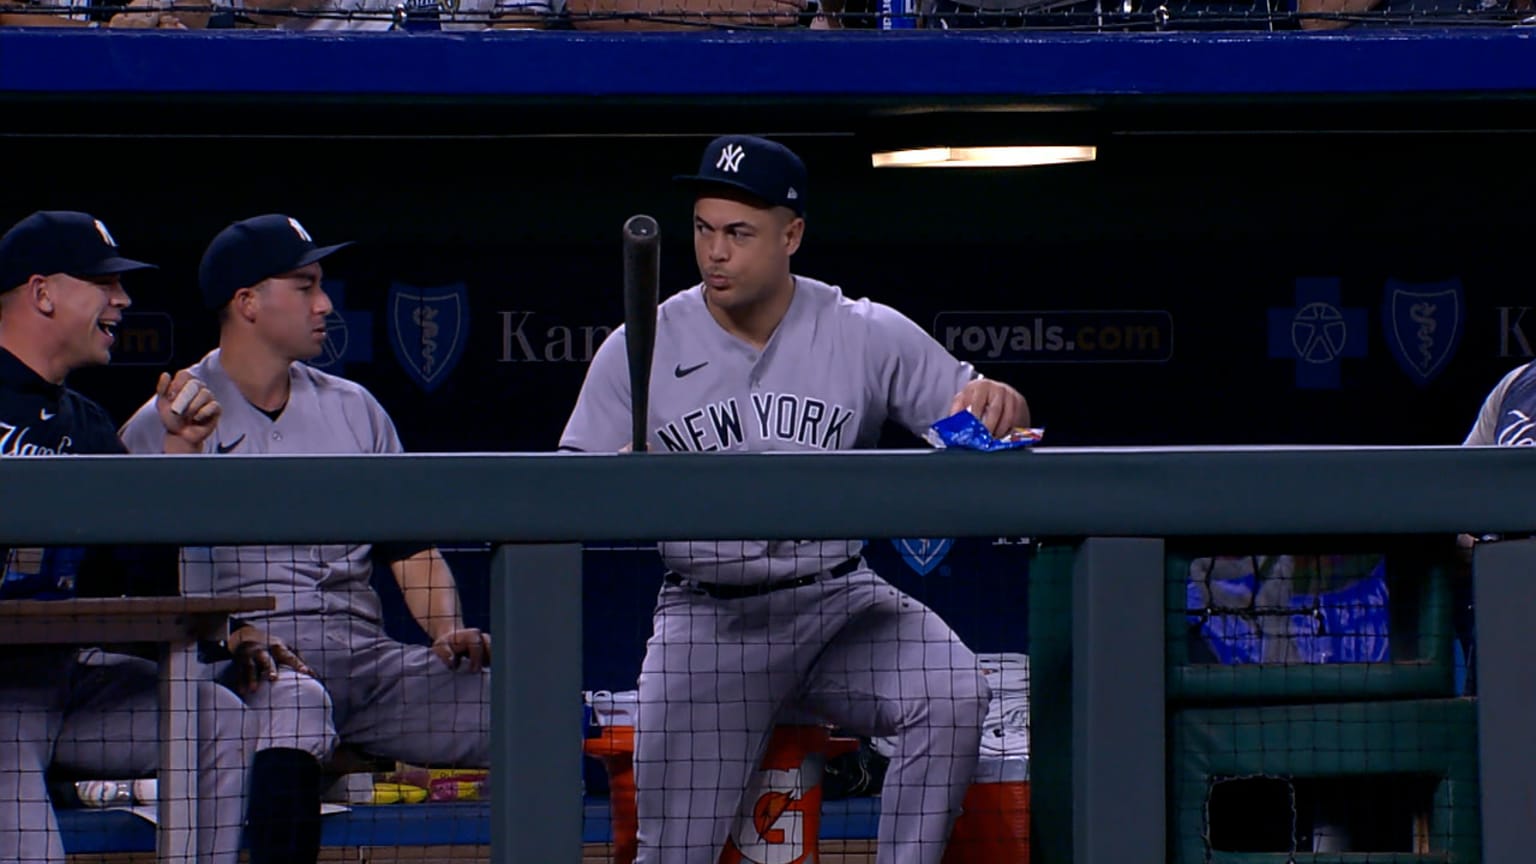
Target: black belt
[{"x": 725, "y": 591}]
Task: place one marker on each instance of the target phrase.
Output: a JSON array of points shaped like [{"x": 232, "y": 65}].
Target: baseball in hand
[{"x": 185, "y": 397}]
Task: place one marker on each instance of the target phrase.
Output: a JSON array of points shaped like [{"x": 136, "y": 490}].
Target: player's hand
[
  {"x": 258, "y": 658},
  {"x": 999, "y": 407},
  {"x": 465, "y": 648},
  {"x": 187, "y": 408}
]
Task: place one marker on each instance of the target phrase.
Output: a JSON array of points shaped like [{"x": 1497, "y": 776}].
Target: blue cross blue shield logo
[
  {"x": 428, "y": 328},
  {"x": 1317, "y": 333},
  {"x": 1423, "y": 322},
  {"x": 923, "y": 554}
]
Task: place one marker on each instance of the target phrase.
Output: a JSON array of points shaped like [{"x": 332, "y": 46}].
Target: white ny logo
[
  {"x": 106, "y": 235},
  {"x": 730, "y": 158},
  {"x": 299, "y": 230}
]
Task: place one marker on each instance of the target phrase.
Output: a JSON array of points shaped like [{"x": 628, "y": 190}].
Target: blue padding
[
  {"x": 595, "y": 824},
  {"x": 465, "y": 823},
  {"x": 462, "y": 823},
  {"x": 102, "y": 831},
  {"x": 566, "y": 64},
  {"x": 850, "y": 819}
]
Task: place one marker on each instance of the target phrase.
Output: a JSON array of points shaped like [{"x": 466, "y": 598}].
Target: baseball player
[
  {"x": 755, "y": 358},
  {"x": 1508, "y": 415},
  {"x": 420, "y": 704},
  {"x": 87, "y": 709},
  {"x": 1506, "y": 419}
]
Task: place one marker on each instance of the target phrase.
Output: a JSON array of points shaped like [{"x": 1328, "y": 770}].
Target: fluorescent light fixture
[{"x": 982, "y": 157}]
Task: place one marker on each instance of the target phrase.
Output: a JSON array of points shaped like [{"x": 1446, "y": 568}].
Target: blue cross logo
[{"x": 1317, "y": 333}]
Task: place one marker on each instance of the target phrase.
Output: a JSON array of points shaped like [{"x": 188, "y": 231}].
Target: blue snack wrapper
[{"x": 966, "y": 432}]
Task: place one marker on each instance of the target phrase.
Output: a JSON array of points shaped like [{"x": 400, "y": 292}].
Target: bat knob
[{"x": 641, "y": 226}]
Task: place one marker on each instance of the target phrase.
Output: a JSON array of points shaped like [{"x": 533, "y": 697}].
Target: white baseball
[{"x": 185, "y": 397}]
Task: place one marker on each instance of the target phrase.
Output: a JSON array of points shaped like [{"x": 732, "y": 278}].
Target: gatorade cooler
[
  {"x": 993, "y": 827},
  {"x": 614, "y": 746},
  {"x": 780, "y": 815}
]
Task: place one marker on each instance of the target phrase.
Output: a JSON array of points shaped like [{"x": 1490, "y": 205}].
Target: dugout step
[{"x": 1419, "y": 757}]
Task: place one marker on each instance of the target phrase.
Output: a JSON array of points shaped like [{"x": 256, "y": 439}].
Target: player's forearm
[{"x": 430, "y": 592}]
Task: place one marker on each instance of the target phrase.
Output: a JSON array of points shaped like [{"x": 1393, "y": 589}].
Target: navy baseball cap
[
  {"x": 763, "y": 169},
  {"x": 60, "y": 241},
  {"x": 253, "y": 250}
]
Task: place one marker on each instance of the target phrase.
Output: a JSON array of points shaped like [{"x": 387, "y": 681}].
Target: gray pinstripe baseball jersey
[
  {"x": 396, "y": 699},
  {"x": 721, "y": 669},
  {"x": 833, "y": 373}
]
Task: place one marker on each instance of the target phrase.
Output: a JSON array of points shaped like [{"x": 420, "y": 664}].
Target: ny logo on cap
[
  {"x": 106, "y": 236},
  {"x": 730, "y": 158},
  {"x": 299, "y": 230}
]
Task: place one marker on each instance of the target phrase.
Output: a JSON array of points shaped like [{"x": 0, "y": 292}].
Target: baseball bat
[{"x": 642, "y": 284}]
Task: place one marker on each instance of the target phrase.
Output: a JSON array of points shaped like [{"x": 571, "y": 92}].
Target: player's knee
[
  {"x": 299, "y": 716},
  {"x": 232, "y": 725},
  {"x": 228, "y": 711},
  {"x": 315, "y": 733},
  {"x": 956, "y": 700},
  {"x": 959, "y": 702},
  {"x": 972, "y": 696}
]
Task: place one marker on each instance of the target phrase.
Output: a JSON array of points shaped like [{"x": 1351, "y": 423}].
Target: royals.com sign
[{"x": 1058, "y": 336}]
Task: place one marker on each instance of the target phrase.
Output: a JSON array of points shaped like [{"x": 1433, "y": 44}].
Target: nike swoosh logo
[
  {"x": 225, "y": 448},
  {"x": 680, "y": 372},
  {"x": 46, "y": 414}
]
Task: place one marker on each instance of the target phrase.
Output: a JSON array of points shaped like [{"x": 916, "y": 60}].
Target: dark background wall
[{"x": 1205, "y": 231}]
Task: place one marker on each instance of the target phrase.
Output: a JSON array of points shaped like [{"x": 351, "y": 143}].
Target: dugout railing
[{"x": 1113, "y": 506}]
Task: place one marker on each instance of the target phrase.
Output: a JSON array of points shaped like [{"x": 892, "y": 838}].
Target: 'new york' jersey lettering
[
  {"x": 782, "y": 418},
  {"x": 834, "y": 371}
]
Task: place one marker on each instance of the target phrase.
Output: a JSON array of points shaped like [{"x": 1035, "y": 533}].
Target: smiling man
[{"x": 84, "y": 708}]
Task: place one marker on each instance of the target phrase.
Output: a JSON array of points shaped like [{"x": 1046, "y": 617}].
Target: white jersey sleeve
[
  {"x": 1485, "y": 430},
  {"x": 916, "y": 375},
  {"x": 144, "y": 434},
  {"x": 600, "y": 422},
  {"x": 385, "y": 438}
]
